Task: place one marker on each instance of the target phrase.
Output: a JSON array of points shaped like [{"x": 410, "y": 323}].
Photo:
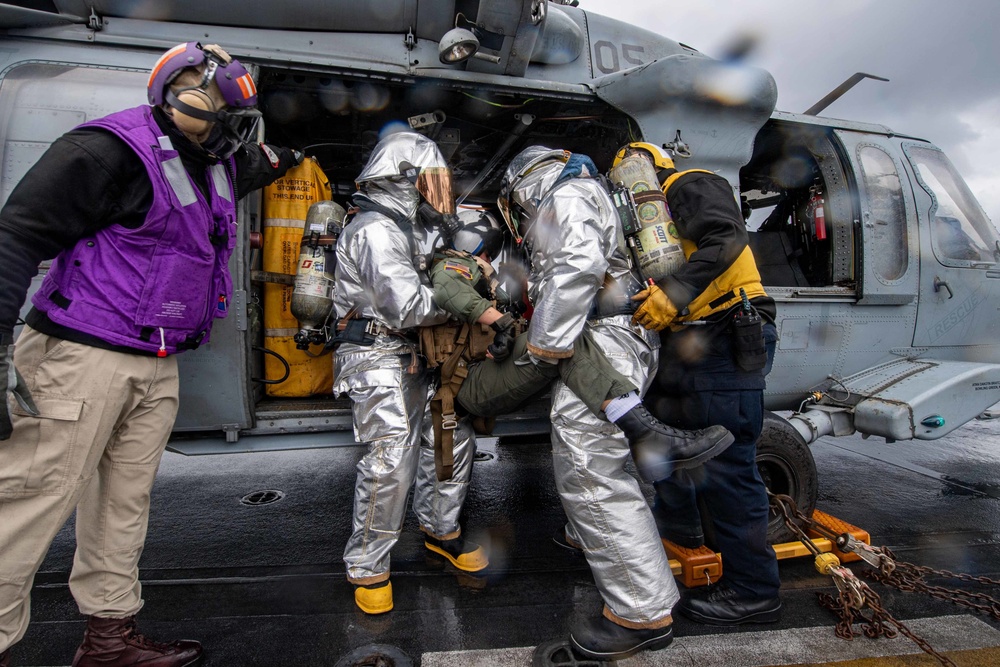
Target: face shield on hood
[
  {"x": 530, "y": 175},
  {"x": 417, "y": 159}
]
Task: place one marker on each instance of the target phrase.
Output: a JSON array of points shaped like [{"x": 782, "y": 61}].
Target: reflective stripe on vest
[
  {"x": 173, "y": 170},
  {"x": 723, "y": 292},
  {"x": 179, "y": 182},
  {"x": 220, "y": 177}
]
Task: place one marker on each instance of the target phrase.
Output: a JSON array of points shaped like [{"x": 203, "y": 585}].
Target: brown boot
[
  {"x": 5, "y": 658},
  {"x": 115, "y": 642}
]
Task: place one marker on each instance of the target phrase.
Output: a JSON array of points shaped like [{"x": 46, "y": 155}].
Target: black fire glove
[
  {"x": 503, "y": 341},
  {"x": 12, "y": 382}
]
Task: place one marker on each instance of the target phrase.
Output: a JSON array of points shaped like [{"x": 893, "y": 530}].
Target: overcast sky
[{"x": 942, "y": 60}]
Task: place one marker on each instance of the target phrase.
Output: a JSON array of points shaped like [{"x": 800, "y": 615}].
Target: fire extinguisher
[{"x": 816, "y": 206}]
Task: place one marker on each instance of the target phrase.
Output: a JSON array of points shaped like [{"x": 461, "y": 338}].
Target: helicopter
[{"x": 877, "y": 253}]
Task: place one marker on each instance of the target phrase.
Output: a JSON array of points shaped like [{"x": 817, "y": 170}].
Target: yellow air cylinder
[{"x": 657, "y": 246}]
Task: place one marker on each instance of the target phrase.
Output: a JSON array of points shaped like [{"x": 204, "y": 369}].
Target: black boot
[
  {"x": 723, "y": 606},
  {"x": 600, "y": 639},
  {"x": 5, "y": 658},
  {"x": 659, "y": 449}
]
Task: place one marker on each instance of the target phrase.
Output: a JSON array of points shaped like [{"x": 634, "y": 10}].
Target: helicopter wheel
[{"x": 787, "y": 467}]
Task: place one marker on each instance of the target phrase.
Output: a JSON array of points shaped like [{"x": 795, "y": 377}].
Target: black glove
[
  {"x": 450, "y": 226},
  {"x": 503, "y": 341},
  {"x": 12, "y": 382}
]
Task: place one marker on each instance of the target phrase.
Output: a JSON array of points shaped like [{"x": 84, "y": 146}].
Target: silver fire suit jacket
[
  {"x": 577, "y": 251},
  {"x": 375, "y": 275}
]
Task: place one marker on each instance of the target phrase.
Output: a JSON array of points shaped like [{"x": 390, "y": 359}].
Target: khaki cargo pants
[{"x": 104, "y": 422}]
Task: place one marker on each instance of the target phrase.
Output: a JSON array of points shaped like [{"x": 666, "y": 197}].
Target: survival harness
[{"x": 451, "y": 347}]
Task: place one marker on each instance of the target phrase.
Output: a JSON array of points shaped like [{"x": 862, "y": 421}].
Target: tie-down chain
[{"x": 853, "y": 595}]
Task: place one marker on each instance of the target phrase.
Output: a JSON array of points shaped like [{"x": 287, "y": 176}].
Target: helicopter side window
[
  {"x": 961, "y": 234},
  {"x": 886, "y": 228}
]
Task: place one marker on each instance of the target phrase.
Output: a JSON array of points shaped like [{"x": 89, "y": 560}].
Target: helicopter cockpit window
[
  {"x": 885, "y": 226},
  {"x": 961, "y": 234}
]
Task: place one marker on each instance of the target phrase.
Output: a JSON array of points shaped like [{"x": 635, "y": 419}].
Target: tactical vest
[
  {"x": 451, "y": 347},
  {"x": 723, "y": 292}
]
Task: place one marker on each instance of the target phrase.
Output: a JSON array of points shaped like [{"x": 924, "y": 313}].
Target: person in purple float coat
[{"x": 140, "y": 236}]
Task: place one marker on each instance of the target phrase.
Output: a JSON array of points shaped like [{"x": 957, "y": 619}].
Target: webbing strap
[
  {"x": 453, "y": 373},
  {"x": 443, "y": 416}
]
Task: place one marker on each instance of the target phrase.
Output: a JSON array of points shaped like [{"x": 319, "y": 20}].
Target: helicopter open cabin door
[
  {"x": 888, "y": 272},
  {"x": 960, "y": 274}
]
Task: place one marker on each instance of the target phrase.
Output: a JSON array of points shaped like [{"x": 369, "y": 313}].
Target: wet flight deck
[{"x": 244, "y": 554}]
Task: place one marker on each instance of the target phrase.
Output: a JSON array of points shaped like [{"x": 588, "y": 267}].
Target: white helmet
[{"x": 479, "y": 232}]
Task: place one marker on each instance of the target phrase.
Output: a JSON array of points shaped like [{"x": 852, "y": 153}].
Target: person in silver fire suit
[
  {"x": 382, "y": 298},
  {"x": 580, "y": 280}
]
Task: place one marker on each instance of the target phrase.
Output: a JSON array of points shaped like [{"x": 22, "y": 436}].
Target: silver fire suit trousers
[
  {"x": 392, "y": 416},
  {"x": 606, "y": 508}
]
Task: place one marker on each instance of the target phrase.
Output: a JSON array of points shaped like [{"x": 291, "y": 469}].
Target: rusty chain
[
  {"x": 908, "y": 577},
  {"x": 853, "y": 594}
]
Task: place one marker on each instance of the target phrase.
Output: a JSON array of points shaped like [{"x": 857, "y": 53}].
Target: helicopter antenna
[{"x": 837, "y": 92}]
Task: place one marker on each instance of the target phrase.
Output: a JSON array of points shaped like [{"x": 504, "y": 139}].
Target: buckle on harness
[{"x": 449, "y": 422}]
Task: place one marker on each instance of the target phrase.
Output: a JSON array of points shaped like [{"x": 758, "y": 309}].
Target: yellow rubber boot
[
  {"x": 374, "y": 600},
  {"x": 466, "y": 556}
]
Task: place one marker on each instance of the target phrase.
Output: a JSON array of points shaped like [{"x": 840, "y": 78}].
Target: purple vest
[{"x": 159, "y": 286}]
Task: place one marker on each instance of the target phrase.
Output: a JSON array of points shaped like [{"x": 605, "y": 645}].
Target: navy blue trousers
[{"x": 699, "y": 385}]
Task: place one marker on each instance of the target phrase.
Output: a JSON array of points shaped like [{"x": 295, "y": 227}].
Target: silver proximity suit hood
[
  {"x": 527, "y": 178},
  {"x": 417, "y": 159},
  {"x": 395, "y": 194}
]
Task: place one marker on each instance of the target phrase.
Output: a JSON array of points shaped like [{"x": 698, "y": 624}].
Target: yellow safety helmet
[{"x": 660, "y": 158}]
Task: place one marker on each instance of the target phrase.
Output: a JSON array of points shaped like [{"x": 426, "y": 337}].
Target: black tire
[
  {"x": 375, "y": 654},
  {"x": 787, "y": 467}
]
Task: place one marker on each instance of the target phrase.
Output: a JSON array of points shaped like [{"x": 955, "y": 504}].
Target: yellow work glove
[{"x": 656, "y": 311}]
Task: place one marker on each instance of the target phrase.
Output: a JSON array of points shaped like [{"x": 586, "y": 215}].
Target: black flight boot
[
  {"x": 659, "y": 449},
  {"x": 600, "y": 639}
]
